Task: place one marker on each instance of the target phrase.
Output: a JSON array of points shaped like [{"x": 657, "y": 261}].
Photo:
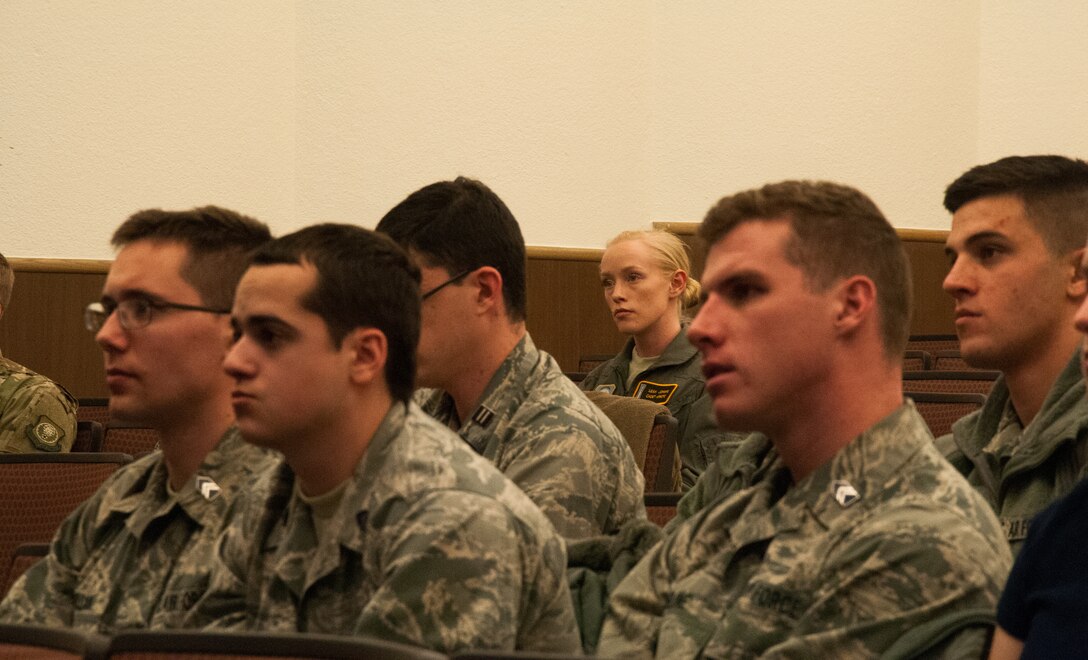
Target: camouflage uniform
[
  {"x": 538, "y": 428},
  {"x": 133, "y": 555},
  {"x": 883, "y": 549},
  {"x": 676, "y": 380},
  {"x": 1022, "y": 470},
  {"x": 432, "y": 546},
  {"x": 36, "y": 414}
]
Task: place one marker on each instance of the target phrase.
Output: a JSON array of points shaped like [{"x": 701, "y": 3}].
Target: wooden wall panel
[{"x": 566, "y": 313}]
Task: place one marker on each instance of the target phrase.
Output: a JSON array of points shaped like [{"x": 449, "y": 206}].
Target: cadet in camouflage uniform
[
  {"x": 508, "y": 400},
  {"x": 1017, "y": 237},
  {"x": 852, "y": 537},
  {"x": 138, "y": 553},
  {"x": 381, "y": 521},
  {"x": 36, "y": 414}
]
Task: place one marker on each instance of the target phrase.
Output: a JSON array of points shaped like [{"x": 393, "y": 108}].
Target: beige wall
[{"x": 587, "y": 117}]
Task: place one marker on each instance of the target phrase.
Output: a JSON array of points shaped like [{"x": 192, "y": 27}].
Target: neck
[
  {"x": 329, "y": 456},
  {"x": 1030, "y": 380},
  {"x": 187, "y": 440},
  {"x": 654, "y": 340},
  {"x": 481, "y": 364},
  {"x": 849, "y": 403}
]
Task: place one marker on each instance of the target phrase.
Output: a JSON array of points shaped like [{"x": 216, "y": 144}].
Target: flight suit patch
[
  {"x": 656, "y": 392},
  {"x": 1016, "y": 529},
  {"x": 44, "y": 434},
  {"x": 607, "y": 389}
]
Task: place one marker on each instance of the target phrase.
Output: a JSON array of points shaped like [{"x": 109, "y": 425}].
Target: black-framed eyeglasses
[
  {"x": 135, "y": 312},
  {"x": 459, "y": 276}
]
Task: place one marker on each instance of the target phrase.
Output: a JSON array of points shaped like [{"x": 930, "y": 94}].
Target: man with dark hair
[
  {"x": 1016, "y": 245},
  {"x": 137, "y": 553},
  {"x": 36, "y": 414},
  {"x": 507, "y": 399},
  {"x": 838, "y": 530},
  {"x": 380, "y": 521}
]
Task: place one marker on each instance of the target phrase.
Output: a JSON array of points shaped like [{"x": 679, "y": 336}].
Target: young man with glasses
[
  {"x": 137, "y": 553},
  {"x": 509, "y": 401},
  {"x": 36, "y": 414}
]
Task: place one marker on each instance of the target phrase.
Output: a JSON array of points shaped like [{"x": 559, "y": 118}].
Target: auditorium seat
[
  {"x": 208, "y": 645},
  {"x": 975, "y": 381},
  {"x": 38, "y": 491},
  {"x": 950, "y": 360},
  {"x": 89, "y": 436},
  {"x": 24, "y": 556},
  {"x": 588, "y": 363},
  {"x": 94, "y": 409},
  {"x": 933, "y": 343},
  {"x": 651, "y": 431},
  {"x": 27, "y": 642},
  {"x": 940, "y": 410},
  {"x": 917, "y": 361},
  {"x": 661, "y": 507},
  {"x": 132, "y": 440}
]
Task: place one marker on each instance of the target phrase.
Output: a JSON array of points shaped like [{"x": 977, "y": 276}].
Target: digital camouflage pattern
[
  {"x": 432, "y": 546},
  {"x": 542, "y": 432},
  {"x": 36, "y": 414},
  {"x": 676, "y": 380},
  {"x": 133, "y": 555},
  {"x": 1020, "y": 471},
  {"x": 885, "y": 549}
]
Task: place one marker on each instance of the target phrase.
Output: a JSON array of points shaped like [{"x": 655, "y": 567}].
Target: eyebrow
[
  {"x": 974, "y": 239},
  {"x": 129, "y": 294},
  {"x": 261, "y": 320}
]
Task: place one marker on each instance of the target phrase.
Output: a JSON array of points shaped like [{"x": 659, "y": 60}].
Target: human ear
[
  {"x": 488, "y": 288},
  {"x": 1077, "y": 286},
  {"x": 855, "y": 302},
  {"x": 678, "y": 283},
  {"x": 366, "y": 350}
]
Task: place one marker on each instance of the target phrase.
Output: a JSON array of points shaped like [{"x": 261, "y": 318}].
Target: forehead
[
  {"x": 276, "y": 289},
  {"x": 627, "y": 254},
  {"x": 1001, "y": 214},
  {"x": 757, "y": 246},
  {"x": 153, "y": 267}
]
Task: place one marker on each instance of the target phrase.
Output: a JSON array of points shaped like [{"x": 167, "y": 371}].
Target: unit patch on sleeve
[
  {"x": 656, "y": 392},
  {"x": 607, "y": 389},
  {"x": 44, "y": 434}
]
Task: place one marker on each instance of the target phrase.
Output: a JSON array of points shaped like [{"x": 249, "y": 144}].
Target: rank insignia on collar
[
  {"x": 44, "y": 434},
  {"x": 207, "y": 487},
  {"x": 845, "y": 494},
  {"x": 483, "y": 415}
]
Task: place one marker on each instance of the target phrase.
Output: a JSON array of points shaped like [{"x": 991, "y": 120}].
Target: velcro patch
[
  {"x": 656, "y": 392},
  {"x": 44, "y": 434},
  {"x": 607, "y": 389},
  {"x": 1016, "y": 529}
]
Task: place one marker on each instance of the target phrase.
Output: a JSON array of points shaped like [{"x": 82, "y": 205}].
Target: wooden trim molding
[
  {"x": 34, "y": 265},
  {"x": 564, "y": 254},
  {"x": 905, "y": 234}
]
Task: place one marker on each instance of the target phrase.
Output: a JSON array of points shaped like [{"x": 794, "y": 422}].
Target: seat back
[
  {"x": 931, "y": 343},
  {"x": 951, "y": 382},
  {"x": 22, "y": 558},
  {"x": 661, "y": 507},
  {"x": 38, "y": 491},
  {"x": 950, "y": 360},
  {"x": 652, "y": 439},
  {"x": 588, "y": 363},
  {"x": 43, "y": 643},
  {"x": 917, "y": 361},
  {"x": 132, "y": 440},
  {"x": 208, "y": 645},
  {"x": 89, "y": 434},
  {"x": 940, "y": 410},
  {"x": 94, "y": 409}
]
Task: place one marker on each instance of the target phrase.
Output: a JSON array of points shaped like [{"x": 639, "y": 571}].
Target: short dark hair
[
  {"x": 1053, "y": 189},
  {"x": 837, "y": 232},
  {"x": 218, "y": 241},
  {"x": 461, "y": 225},
  {"x": 7, "y": 283},
  {"x": 364, "y": 280}
]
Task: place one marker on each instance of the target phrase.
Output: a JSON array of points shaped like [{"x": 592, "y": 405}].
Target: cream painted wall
[{"x": 586, "y": 117}]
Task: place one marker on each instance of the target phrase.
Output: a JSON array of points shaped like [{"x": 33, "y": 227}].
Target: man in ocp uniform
[
  {"x": 36, "y": 414},
  {"x": 838, "y": 530},
  {"x": 137, "y": 553}
]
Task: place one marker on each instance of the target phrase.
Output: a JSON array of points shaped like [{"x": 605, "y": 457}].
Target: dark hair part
[
  {"x": 1053, "y": 189},
  {"x": 7, "y": 283},
  {"x": 364, "y": 280},
  {"x": 218, "y": 242},
  {"x": 837, "y": 232},
  {"x": 461, "y": 225}
]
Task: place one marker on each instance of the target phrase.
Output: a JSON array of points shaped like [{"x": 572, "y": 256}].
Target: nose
[
  {"x": 111, "y": 337},
  {"x": 1081, "y": 319},
  {"x": 959, "y": 282},
  {"x": 237, "y": 363},
  {"x": 703, "y": 331},
  {"x": 616, "y": 293}
]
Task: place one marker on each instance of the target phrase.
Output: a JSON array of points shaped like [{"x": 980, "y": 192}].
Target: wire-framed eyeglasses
[
  {"x": 135, "y": 312},
  {"x": 459, "y": 276}
]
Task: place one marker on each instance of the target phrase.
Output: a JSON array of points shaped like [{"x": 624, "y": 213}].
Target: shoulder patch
[
  {"x": 607, "y": 389},
  {"x": 44, "y": 434},
  {"x": 656, "y": 392}
]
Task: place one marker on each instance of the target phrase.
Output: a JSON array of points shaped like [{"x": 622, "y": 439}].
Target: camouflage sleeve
[
  {"x": 636, "y": 608},
  {"x": 223, "y": 605},
  {"x": 37, "y": 415},
  {"x": 585, "y": 485},
  {"x": 45, "y": 593},
  {"x": 460, "y": 572}
]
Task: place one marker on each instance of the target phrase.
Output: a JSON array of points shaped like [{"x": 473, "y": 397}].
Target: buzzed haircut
[
  {"x": 218, "y": 242},
  {"x": 7, "y": 283},
  {"x": 1053, "y": 189},
  {"x": 836, "y": 232},
  {"x": 364, "y": 280},
  {"x": 461, "y": 225}
]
